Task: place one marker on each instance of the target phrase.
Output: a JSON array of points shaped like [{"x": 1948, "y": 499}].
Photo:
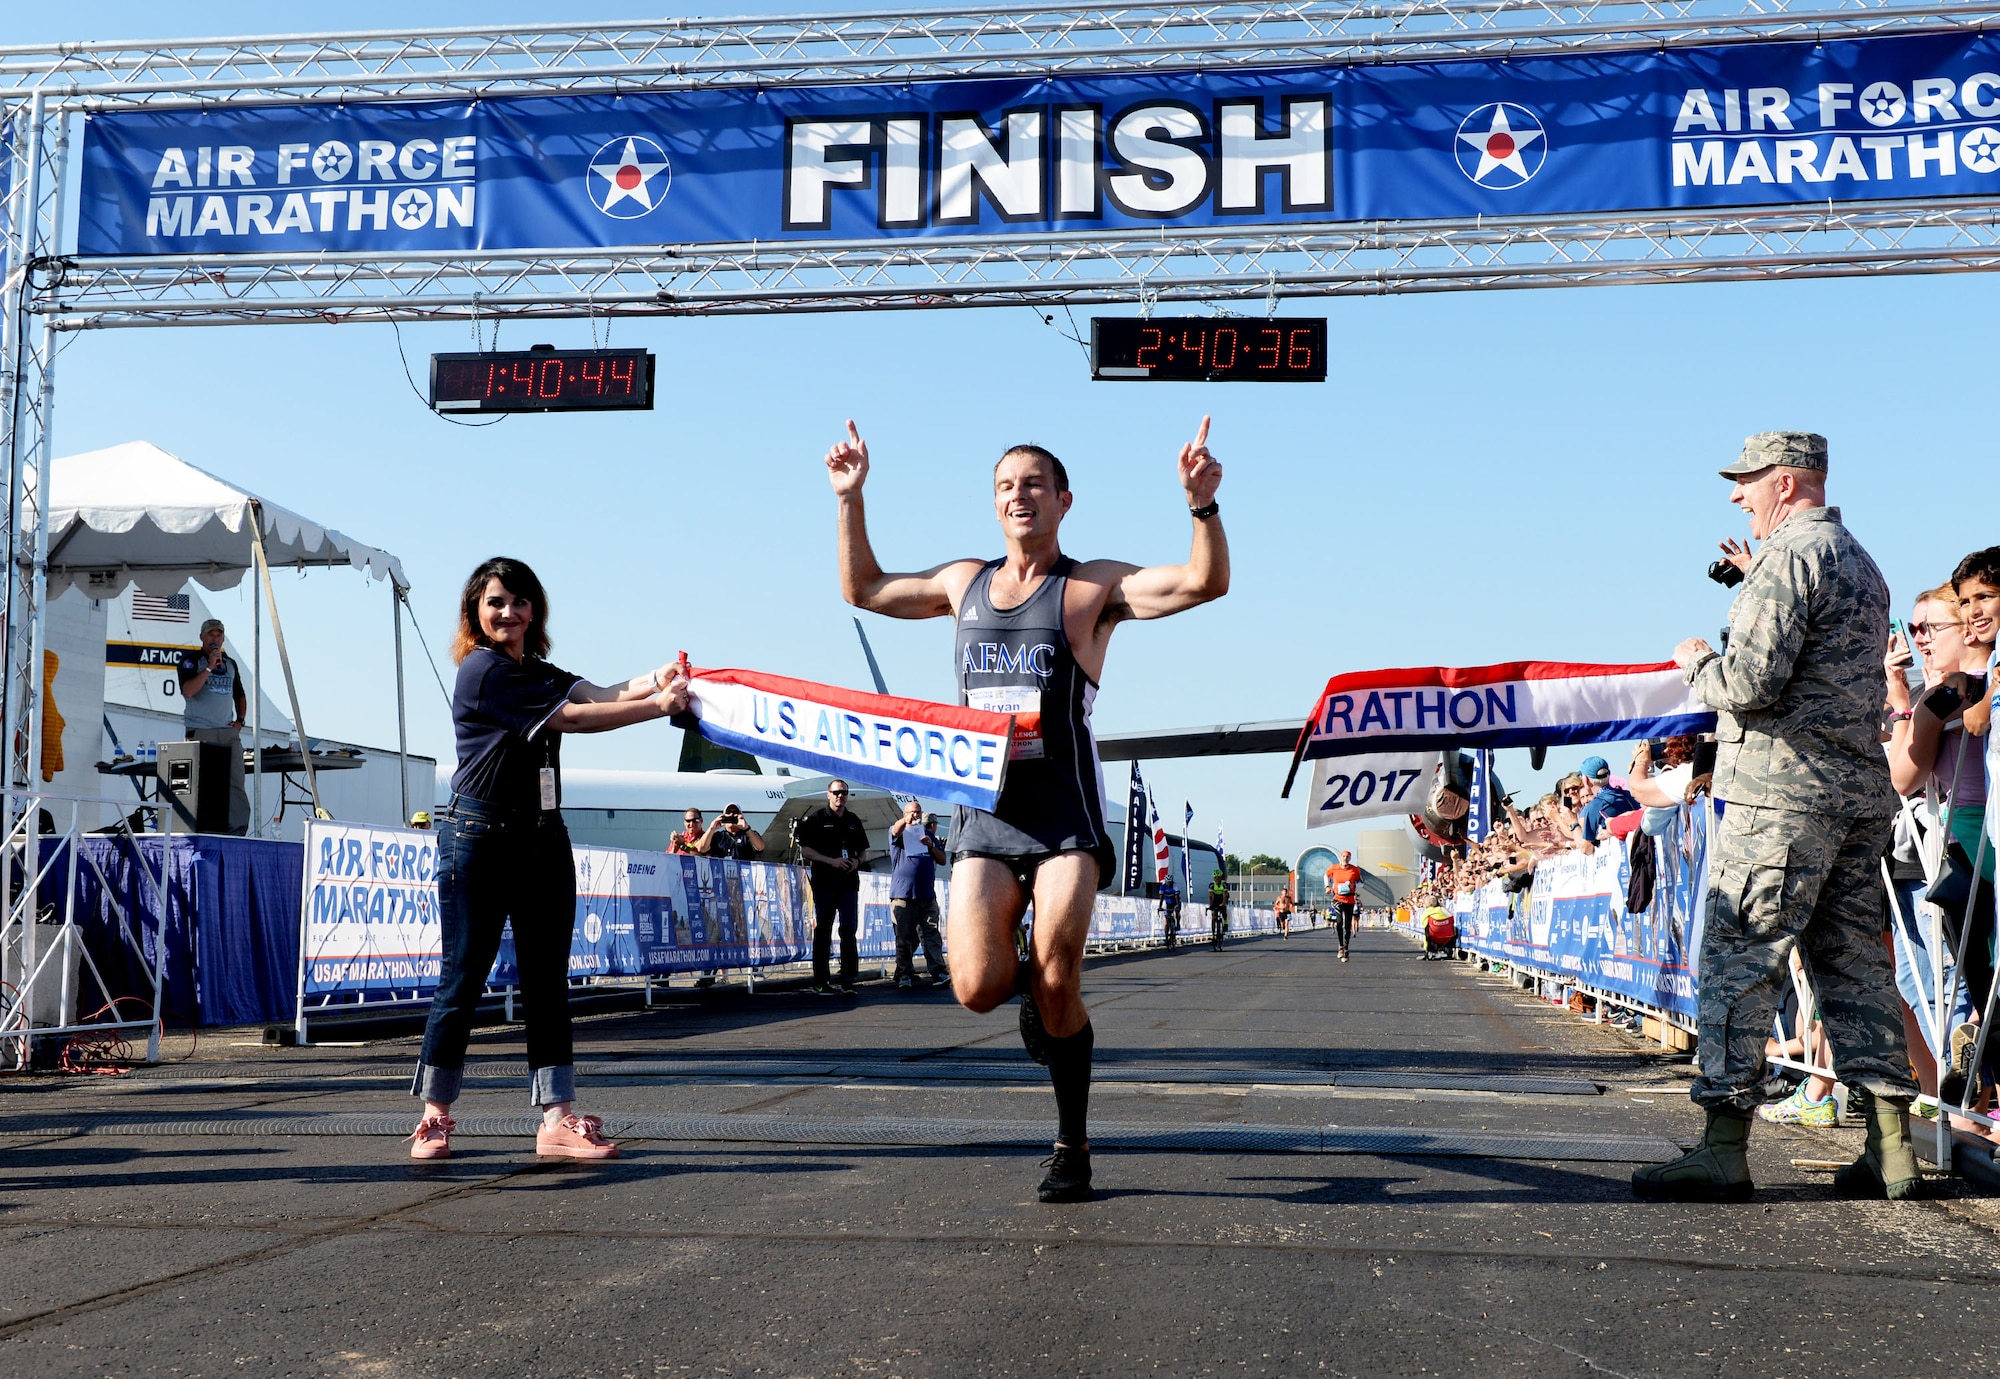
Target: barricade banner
[
  {"x": 1574, "y": 923},
  {"x": 909, "y": 746},
  {"x": 369, "y": 915},
  {"x": 368, "y": 912},
  {"x": 1515, "y": 704},
  {"x": 1805, "y": 123}
]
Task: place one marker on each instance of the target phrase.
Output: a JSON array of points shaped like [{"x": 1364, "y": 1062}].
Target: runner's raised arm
[
  {"x": 931, "y": 593},
  {"x": 1161, "y": 590}
]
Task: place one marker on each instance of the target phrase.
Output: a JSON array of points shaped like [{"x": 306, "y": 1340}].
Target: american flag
[
  {"x": 1160, "y": 854},
  {"x": 159, "y": 607}
]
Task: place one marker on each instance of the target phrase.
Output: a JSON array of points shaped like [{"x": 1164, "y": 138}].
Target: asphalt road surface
[{"x": 1384, "y": 1168}]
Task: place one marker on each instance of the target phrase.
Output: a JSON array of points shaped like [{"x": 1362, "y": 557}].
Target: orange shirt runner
[{"x": 1343, "y": 883}]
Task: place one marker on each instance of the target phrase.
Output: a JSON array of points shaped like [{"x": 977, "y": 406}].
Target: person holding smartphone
[{"x": 504, "y": 855}]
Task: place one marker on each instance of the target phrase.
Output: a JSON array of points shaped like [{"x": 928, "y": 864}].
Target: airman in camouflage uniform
[{"x": 1798, "y": 694}]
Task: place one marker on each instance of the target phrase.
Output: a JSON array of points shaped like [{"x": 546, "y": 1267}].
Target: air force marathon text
[{"x": 1753, "y": 124}]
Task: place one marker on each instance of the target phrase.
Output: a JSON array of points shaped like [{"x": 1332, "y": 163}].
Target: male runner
[
  {"x": 1343, "y": 883},
  {"x": 1033, "y": 628},
  {"x": 1282, "y": 907},
  {"x": 1218, "y": 909}
]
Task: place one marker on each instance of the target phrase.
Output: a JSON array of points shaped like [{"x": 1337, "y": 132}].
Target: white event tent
[{"x": 135, "y": 514}]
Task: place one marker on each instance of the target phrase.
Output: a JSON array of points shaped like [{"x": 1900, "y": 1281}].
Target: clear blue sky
[{"x": 1486, "y": 477}]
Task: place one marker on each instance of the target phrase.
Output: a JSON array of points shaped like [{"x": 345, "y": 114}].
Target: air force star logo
[
  {"x": 1502, "y": 145},
  {"x": 628, "y": 177}
]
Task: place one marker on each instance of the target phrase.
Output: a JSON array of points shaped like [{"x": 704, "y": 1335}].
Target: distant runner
[
  {"x": 1283, "y": 907},
  {"x": 1033, "y": 629},
  {"x": 1343, "y": 886},
  {"x": 1218, "y": 909}
]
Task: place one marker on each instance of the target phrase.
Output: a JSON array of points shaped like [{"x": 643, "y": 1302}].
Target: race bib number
[
  {"x": 1368, "y": 787},
  {"x": 1025, "y": 703}
]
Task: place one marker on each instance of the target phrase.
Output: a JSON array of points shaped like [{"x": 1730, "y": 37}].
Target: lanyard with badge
[{"x": 548, "y": 771}]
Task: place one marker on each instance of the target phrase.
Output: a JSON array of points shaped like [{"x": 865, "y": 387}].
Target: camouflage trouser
[{"x": 1782, "y": 877}]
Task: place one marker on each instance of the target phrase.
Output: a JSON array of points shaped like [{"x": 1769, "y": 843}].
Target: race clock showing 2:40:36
[{"x": 1209, "y": 349}]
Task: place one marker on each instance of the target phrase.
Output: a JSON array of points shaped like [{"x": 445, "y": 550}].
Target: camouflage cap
[{"x": 1795, "y": 449}]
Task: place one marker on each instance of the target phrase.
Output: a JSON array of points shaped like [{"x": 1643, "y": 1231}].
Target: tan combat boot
[
  {"x": 1716, "y": 1170},
  {"x": 1887, "y": 1167}
]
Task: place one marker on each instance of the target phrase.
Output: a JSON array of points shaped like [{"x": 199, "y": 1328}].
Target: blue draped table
[{"x": 232, "y": 931}]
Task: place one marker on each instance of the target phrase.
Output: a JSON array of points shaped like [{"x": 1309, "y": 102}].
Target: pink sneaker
[
  {"x": 432, "y": 1138},
  {"x": 574, "y": 1137}
]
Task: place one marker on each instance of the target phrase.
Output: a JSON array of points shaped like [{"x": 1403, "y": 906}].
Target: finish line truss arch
[
  {"x": 52, "y": 287},
  {"x": 46, "y": 86},
  {"x": 1249, "y": 269}
]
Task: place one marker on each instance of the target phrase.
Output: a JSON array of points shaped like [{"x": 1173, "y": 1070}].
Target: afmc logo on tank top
[
  {"x": 1012, "y": 663},
  {"x": 998, "y": 658}
]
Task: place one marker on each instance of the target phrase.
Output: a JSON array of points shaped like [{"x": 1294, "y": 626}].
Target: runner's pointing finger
[{"x": 1201, "y": 436}]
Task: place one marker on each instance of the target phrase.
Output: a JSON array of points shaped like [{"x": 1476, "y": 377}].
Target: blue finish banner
[{"x": 1744, "y": 125}]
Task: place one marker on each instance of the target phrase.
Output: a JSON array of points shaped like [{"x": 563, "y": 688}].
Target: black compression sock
[{"x": 1069, "y": 1073}]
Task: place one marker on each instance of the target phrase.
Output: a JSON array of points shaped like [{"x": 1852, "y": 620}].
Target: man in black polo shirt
[{"x": 834, "y": 842}]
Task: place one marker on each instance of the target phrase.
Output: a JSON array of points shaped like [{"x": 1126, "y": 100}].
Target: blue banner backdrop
[
  {"x": 1742, "y": 125},
  {"x": 1574, "y": 924},
  {"x": 368, "y": 914}
]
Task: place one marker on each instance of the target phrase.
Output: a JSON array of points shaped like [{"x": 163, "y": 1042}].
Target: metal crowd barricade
[
  {"x": 45, "y": 969},
  {"x": 1544, "y": 980},
  {"x": 1947, "y": 992}
]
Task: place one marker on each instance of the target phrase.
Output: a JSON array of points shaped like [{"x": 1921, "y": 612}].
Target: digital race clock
[
  {"x": 543, "y": 380},
  {"x": 1209, "y": 349}
]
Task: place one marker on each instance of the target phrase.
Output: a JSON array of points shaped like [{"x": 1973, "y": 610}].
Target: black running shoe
[
  {"x": 1069, "y": 1176},
  {"x": 1034, "y": 1037}
]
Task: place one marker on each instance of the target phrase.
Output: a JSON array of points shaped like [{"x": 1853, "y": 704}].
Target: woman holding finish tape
[{"x": 503, "y": 852}]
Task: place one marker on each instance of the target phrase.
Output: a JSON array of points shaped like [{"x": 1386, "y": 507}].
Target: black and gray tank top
[{"x": 1018, "y": 660}]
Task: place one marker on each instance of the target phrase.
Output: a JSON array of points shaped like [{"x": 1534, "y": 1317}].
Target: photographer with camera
[
  {"x": 1797, "y": 858},
  {"x": 733, "y": 836},
  {"x": 213, "y": 709},
  {"x": 729, "y": 836}
]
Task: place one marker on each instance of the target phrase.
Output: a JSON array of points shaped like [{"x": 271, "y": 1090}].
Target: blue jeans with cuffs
[{"x": 494, "y": 867}]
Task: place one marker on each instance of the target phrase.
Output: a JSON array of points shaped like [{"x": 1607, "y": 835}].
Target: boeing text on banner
[{"x": 1754, "y": 124}]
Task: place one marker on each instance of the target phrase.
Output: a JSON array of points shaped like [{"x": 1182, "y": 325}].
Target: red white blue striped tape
[
  {"x": 1515, "y": 704},
  {"x": 909, "y": 746}
]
